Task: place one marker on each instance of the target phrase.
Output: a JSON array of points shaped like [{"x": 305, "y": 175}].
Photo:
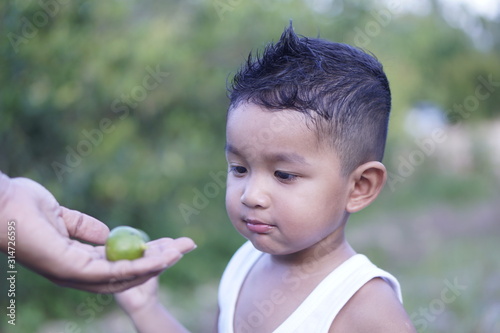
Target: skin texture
[{"x": 47, "y": 241}]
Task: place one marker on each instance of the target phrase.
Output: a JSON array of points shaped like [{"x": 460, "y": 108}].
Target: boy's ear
[{"x": 367, "y": 182}]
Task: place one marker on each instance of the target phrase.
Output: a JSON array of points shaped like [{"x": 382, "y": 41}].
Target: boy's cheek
[
  {"x": 231, "y": 199},
  {"x": 232, "y": 186}
]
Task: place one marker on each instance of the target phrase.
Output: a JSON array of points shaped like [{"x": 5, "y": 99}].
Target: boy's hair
[{"x": 343, "y": 89}]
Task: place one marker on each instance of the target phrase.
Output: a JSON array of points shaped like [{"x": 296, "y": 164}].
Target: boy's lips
[{"x": 258, "y": 226}]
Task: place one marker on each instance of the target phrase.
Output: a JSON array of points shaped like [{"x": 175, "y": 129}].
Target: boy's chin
[{"x": 267, "y": 247}]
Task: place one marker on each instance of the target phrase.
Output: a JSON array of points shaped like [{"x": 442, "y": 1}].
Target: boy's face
[{"x": 285, "y": 192}]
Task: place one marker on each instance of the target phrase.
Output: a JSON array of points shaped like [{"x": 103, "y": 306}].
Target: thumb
[{"x": 84, "y": 227}]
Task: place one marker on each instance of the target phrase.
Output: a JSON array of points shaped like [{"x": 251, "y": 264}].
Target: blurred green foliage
[{"x": 118, "y": 108}]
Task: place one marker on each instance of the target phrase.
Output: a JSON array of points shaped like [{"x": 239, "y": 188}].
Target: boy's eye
[
  {"x": 237, "y": 170},
  {"x": 284, "y": 176}
]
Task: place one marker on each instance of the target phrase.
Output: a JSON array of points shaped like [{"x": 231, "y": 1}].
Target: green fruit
[
  {"x": 133, "y": 231},
  {"x": 144, "y": 235},
  {"x": 127, "y": 243}
]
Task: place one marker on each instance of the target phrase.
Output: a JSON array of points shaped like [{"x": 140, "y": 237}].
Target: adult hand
[{"x": 46, "y": 241}]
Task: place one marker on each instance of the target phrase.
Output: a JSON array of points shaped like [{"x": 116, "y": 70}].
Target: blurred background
[{"x": 118, "y": 108}]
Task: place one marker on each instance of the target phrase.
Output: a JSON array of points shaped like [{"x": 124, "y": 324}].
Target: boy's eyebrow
[
  {"x": 231, "y": 149},
  {"x": 278, "y": 157},
  {"x": 288, "y": 158}
]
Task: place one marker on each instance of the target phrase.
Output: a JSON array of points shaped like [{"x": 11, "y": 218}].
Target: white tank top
[{"x": 319, "y": 309}]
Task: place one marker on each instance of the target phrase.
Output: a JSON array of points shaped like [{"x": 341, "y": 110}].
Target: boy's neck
[{"x": 324, "y": 254}]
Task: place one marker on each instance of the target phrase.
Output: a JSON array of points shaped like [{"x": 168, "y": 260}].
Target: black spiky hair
[{"x": 342, "y": 88}]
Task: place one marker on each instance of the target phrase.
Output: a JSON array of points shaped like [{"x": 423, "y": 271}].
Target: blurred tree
[{"x": 118, "y": 107}]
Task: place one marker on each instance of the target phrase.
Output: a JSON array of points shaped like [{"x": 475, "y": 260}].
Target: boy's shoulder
[{"x": 373, "y": 308}]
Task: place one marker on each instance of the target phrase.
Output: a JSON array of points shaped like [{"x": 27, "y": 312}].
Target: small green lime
[
  {"x": 144, "y": 235},
  {"x": 125, "y": 242}
]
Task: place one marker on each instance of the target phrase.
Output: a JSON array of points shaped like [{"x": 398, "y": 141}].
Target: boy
[{"x": 306, "y": 131}]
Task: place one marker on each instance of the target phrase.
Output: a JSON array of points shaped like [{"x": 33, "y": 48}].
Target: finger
[
  {"x": 183, "y": 244},
  {"x": 159, "y": 256},
  {"x": 84, "y": 227},
  {"x": 113, "y": 286},
  {"x": 90, "y": 271}
]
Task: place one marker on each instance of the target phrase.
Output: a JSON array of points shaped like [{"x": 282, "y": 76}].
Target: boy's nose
[{"x": 255, "y": 195}]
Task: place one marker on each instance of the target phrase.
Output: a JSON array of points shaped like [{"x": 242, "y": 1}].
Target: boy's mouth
[{"x": 258, "y": 226}]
